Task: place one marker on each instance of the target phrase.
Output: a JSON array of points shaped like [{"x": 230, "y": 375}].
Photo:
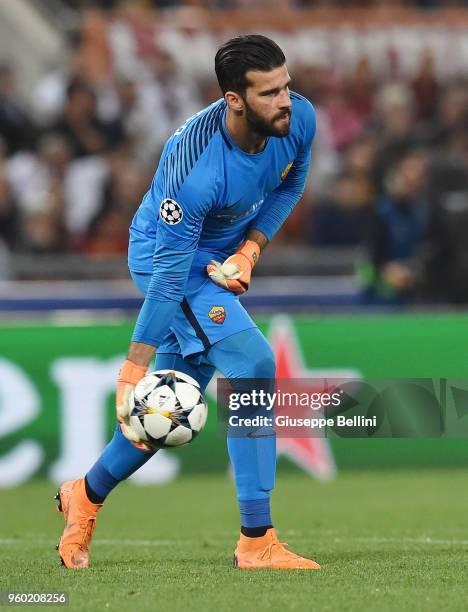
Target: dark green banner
[{"x": 57, "y": 385}]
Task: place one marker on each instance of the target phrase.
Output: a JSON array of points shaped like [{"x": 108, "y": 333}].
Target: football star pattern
[
  {"x": 168, "y": 410},
  {"x": 171, "y": 212}
]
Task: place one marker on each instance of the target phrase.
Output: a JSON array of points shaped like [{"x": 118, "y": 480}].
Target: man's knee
[
  {"x": 263, "y": 363},
  {"x": 246, "y": 354},
  {"x": 258, "y": 357}
]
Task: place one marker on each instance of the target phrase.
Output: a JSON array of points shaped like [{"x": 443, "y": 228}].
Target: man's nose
[{"x": 285, "y": 100}]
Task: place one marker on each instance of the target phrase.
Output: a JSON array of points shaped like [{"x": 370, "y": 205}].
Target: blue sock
[
  {"x": 255, "y": 512},
  {"x": 254, "y": 462},
  {"x": 118, "y": 461}
]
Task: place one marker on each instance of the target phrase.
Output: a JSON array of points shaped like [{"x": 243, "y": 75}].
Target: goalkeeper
[{"x": 226, "y": 182}]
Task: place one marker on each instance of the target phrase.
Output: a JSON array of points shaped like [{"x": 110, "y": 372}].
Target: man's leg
[
  {"x": 81, "y": 499},
  {"x": 247, "y": 354}
]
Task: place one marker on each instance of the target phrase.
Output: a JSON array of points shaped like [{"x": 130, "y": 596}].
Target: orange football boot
[
  {"x": 80, "y": 521},
  {"x": 267, "y": 552}
]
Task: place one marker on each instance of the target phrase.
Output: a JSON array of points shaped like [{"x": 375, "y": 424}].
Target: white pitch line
[
  {"x": 175, "y": 541},
  {"x": 379, "y": 540},
  {"x": 42, "y": 542}
]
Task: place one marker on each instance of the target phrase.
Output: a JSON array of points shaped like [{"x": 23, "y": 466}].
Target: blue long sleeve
[
  {"x": 279, "y": 204},
  {"x": 151, "y": 325},
  {"x": 178, "y": 232},
  {"x": 165, "y": 292}
]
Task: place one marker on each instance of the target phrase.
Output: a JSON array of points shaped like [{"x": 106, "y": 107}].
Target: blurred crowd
[
  {"x": 389, "y": 174},
  {"x": 262, "y": 4}
]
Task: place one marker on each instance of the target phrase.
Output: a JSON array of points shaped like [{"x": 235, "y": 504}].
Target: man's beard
[{"x": 267, "y": 128}]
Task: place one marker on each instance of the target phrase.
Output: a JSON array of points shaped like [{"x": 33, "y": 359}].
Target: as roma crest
[
  {"x": 284, "y": 174},
  {"x": 217, "y": 314}
]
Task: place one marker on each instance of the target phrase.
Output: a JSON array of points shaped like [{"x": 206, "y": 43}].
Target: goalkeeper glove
[
  {"x": 129, "y": 376},
  {"x": 234, "y": 274}
]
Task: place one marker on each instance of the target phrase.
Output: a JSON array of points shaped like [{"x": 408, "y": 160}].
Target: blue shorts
[{"x": 206, "y": 315}]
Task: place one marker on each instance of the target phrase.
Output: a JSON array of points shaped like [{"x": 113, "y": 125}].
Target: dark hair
[{"x": 243, "y": 53}]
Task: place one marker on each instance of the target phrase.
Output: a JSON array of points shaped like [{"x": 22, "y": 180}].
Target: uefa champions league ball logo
[{"x": 171, "y": 212}]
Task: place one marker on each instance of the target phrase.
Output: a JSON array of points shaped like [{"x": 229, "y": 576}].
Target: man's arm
[
  {"x": 179, "y": 228},
  {"x": 140, "y": 353},
  {"x": 279, "y": 204},
  {"x": 171, "y": 266},
  {"x": 235, "y": 273},
  {"x": 258, "y": 237}
]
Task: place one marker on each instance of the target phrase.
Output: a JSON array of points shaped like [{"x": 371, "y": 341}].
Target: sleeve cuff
[{"x": 154, "y": 321}]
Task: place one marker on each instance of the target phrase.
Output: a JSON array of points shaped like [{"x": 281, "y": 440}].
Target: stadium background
[
  {"x": 369, "y": 277},
  {"x": 376, "y": 250}
]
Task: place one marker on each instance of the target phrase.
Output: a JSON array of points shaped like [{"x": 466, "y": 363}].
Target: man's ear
[{"x": 234, "y": 101}]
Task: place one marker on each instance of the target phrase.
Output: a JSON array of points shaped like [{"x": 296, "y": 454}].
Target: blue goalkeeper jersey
[{"x": 206, "y": 194}]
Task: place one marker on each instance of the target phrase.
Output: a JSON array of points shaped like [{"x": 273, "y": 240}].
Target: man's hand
[
  {"x": 234, "y": 274},
  {"x": 129, "y": 376}
]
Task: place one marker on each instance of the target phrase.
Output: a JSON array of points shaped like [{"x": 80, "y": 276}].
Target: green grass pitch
[{"x": 386, "y": 541}]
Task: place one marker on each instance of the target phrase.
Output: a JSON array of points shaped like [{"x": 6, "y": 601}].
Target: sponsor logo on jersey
[
  {"x": 217, "y": 314},
  {"x": 284, "y": 174},
  {"x": 171, "y": 212},
  {"x": 233, "y": 218}
]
